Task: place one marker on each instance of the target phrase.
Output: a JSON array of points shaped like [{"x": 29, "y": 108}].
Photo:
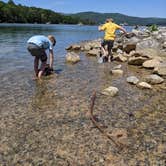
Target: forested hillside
[{"x": 99, "y": 18}]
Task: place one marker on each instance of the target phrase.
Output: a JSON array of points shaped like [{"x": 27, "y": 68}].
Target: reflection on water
[{"x": 46, "y": 123}]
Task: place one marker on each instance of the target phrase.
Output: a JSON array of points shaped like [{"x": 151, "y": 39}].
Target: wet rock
[
  {"x": 120, "y": 58},
  {"x": 144, "y": 85},
  {"x": 160, "y": 70},
  {"x": 150, "y": 64},
  {"x": 117, "y": 67},
  {"x": 132, "y": 80},
  {"x": 72, "y": 57},
  {"x": 154, "y": 79},
  {"x": 110, "y": 91},
  {"x": 129, "y": 47},
  {"x": 86, "y": 47},
  {"x": 138, "y": 61},
  {"x": 94, "y": 52},
  {"x": 74, "y": 47},
  {"x": 117, "y": 72}
]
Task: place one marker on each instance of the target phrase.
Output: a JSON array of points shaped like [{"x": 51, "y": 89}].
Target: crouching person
[{"x": 37, "y": 46}]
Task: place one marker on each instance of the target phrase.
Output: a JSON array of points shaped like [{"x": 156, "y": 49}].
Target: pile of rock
[{"x": 139, "y": 48}]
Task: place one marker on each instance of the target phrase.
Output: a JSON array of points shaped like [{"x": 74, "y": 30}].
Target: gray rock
[
  {"x": 132, "y": 80},
  {"x": 74, "y": 47},
  {"x": 110, "y": 91},
  {"x": 154, "y": 79},
  {"x": 160, "y": 70}
]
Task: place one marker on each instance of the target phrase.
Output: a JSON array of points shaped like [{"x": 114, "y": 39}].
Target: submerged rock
[
  {"x": 132, "y": 80},
  {"x": 72, "y": 57},
  {"x": 110, "y": 91}
]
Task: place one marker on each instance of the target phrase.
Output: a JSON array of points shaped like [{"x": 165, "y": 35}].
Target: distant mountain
[{"x": 98, "y": 18}]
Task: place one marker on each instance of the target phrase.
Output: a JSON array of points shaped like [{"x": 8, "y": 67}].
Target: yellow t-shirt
[{"x": 109, "y": 29}]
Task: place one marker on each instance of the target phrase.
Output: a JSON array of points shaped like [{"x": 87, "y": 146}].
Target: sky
[{"x": 139, "y": 8}]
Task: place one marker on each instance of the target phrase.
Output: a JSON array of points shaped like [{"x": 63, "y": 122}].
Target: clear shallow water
[{"x": 46, "y": 123}]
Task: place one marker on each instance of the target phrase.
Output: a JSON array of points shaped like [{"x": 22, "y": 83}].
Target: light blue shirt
[{"x": 41, "y": 41}]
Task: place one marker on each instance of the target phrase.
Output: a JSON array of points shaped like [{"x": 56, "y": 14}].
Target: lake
[{"x": 47, "y": 123}]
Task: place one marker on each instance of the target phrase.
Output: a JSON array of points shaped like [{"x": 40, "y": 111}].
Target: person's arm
[
  {"x": 100, "y": 28},
  {"x": 51, "y": 58},
  {"x": 122, "y": 29}
]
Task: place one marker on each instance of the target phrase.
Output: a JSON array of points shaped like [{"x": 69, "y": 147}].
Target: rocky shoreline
[
  {"x": 48, "y": 123},
  {"x": 141, "y": 48}
]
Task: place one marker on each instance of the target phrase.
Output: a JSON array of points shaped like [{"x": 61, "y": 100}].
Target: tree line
[{"x": 12, "y": 13}]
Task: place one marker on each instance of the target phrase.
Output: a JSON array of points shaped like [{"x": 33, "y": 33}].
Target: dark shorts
[
  {"x": 37, "y": 52},
  {"x": 108, "y": 43}
]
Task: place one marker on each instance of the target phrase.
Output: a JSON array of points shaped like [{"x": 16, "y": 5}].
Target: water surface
[{"x": 47, "y": 123}]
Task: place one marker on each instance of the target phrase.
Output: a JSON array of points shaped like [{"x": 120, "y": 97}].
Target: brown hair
[
  {"x": 52, "y": 39},
  {"x": 109, "y": 20}
]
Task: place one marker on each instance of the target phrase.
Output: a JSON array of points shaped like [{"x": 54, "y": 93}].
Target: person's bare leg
[
  {"x": 36, "y": 64},
  {"x": 42, "y": 68},
  {"x": 103, "y": 51}
]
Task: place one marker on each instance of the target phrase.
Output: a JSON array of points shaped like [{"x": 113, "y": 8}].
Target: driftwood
[{"x": 93, "y": 98}]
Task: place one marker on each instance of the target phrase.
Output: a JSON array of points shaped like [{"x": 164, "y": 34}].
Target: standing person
[
  {"x": 109, "y": 28},
  {"x": 37, "y": 46}
]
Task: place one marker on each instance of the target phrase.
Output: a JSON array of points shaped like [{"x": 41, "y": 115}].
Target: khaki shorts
[{"x": 37, "y": 52}]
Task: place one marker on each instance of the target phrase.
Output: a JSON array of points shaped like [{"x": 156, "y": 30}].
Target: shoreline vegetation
[{"x": 17, "y": 13}]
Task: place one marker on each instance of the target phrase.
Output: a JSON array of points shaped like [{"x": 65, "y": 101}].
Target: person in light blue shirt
[{"x": 37, "y": 46}]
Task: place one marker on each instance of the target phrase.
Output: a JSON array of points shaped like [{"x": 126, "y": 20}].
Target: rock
[
  {"x": 136, "y": 60},
  {"x": 144, "y": 85},
  {"x": 74, "y": 47},
  {"x": 154, "y": 79},
  {"x": 148, "y": 43},
  {"x": 132, "y": 80},
  {"x": 160, "y": 70},
  {"x": 150, "y": 64},
  {"x": 86, "y": 47},
  {"x": 117, "y": 67},
  {"x": 129, "y": 47},
  {"x": 120, "y": 58},
  {"x": 110, "y": 91},
  {"x": 94, "y": 52},
  {"x": 72, "y": 57},
  {"x": 117, "y": 72}
]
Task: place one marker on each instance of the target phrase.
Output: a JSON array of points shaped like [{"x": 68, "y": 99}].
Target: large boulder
[
  {"x": 154, "y": 79},
  {"x": 73, "y": 47},
  {"x": 129, "y": 47},
  {"x": 148, "y": 43},
  {"x": 138, "y": 61},
  {"x": 160, "y": 70},
  {"x": 72, "y": 57},
  {"x": 120, "y": 58},
  {"x": 94, "y": 52},
  {"x": 150, "y": 64}
]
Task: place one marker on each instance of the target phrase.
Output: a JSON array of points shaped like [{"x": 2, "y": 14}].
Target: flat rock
[
  {"x": 132, "y": 80},
  {"x": 144, "y": 85},
  {"x": 110, "y": 91},
  {"x": 154, "y": 79}
]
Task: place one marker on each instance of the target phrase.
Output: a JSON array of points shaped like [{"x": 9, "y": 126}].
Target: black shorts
[
  {"x": 108, "y": 43},
  {"x": 37, "y": 51}
]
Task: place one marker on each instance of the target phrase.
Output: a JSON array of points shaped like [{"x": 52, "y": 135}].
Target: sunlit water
[{"x": 46, "y": 123}]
